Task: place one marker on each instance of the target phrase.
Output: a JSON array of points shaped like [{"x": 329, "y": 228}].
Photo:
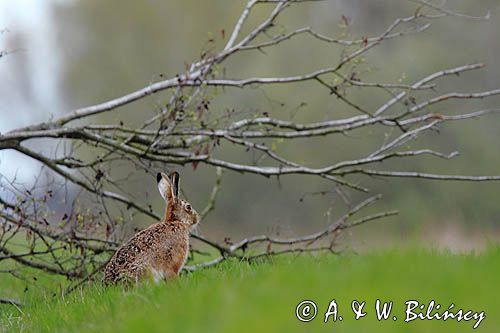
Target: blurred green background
[{"x": 79, "y": 53}]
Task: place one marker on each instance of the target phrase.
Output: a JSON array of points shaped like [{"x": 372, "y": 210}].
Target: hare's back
[{"x": 157, "y": 241}]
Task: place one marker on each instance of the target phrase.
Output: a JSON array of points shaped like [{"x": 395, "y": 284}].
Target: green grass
[{"x": 238, "y": 297}]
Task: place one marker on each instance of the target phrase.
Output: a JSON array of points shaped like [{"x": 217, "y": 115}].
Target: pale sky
[{"x": 29, "y": 91}]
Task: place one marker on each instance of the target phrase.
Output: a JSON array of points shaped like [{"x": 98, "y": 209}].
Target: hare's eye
[{"x": 188, "y": 207}]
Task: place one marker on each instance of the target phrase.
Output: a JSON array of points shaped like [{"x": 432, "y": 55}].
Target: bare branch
[{"x": 187, "y": 130}]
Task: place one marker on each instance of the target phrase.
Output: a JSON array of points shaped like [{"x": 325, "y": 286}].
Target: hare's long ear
[
  {"x": 174, "y": 177},
  {"x": 165, "y": 187}
]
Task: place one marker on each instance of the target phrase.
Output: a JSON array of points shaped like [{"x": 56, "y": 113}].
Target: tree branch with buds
[{"x": 188, "y": 131}]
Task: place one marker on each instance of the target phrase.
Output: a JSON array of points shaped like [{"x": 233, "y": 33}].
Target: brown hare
[{"x": 161, "y": 249}]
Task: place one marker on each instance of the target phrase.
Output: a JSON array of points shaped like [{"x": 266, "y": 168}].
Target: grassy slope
[{"x": 238, "y": 297}]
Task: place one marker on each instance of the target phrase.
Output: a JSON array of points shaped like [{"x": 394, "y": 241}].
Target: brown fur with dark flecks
[{"x": 161, "y": 249}]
